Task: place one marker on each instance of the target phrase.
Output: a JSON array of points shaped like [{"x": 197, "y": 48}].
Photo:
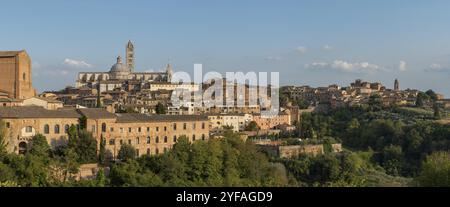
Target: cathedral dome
[{"x": 119, "y": 67}]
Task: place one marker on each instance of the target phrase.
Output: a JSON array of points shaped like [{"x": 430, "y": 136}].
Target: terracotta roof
[
  {"x": 96, "y": 113},
  {"x": 48, "y": 100},
  {"x": 130, "y": 118},
  {"x": 36, "y": 112},
  {"x": 10, "y": 53}
]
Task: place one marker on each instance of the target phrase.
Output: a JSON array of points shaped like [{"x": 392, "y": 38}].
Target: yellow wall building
[{"x": 149, "y": 134}]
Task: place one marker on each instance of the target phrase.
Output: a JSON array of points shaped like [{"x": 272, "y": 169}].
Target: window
[
  {"x": 129, "y": 129},
  {"x": 121, "y": 142},
  {"x": 165, "y": 149},
  {"x": 148, "y": 129},
  {"x": 157, "y": 151},
  {"x": 203, "y": 137},
  {"x": 129, "y": 141},
  {"x": 121, "y": 130},
  {"x": 165, "y": 128},
  {"x": 165, "y": 139},
  {"x": 148, "y": 140},
  {"x": 139, "y": 129},
  {"x": 203, "y": 125},
  {"x": 46, "y": 129},
  {"x": 148, "y": 151},
  {"x": 93, "y": 128},
  {"x": 175, "y": 138},
  {"x": 111, "y": 129},
  {"x": 157, "y": 129},
  {"x": 157, "y": 139},
  {"x": 112, "y": 142},
  {"x": 193, "y": 137},
  {"x": 66, "y": 128},
  {"x": 184, "y": 126},
  {"x": 137, "y": 152},
  {"x": 193, "y": 126},
  {"x": 175, "y": 127},
  {"x": 137, "y": 140},
  {"x": 29, "y": 129},
  {"x": 104, "y": 127},
  {"x": 24, "y": 76},
  {"x": 57, "y": 129}
]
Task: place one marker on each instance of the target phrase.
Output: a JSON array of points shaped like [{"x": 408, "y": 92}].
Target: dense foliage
[{"x": 400, "y": 137}]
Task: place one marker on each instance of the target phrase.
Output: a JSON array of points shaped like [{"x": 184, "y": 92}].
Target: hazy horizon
[{"x": 315, "y": 43}]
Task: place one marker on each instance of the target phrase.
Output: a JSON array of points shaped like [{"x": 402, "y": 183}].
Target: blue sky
[{"x": 318, "y": 42}]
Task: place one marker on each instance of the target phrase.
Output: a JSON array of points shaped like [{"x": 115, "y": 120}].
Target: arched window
[
  {"x": 175, "y": 138},
  {"x": 23, "y": 148},
  {"x": 57, "y": 129},
  {"x": 66, "y": 128},
  {"x": 104, "y": 127},
  {"x": 157, "y": 139},
  {"x": 148, "y": 140},
  {"x": 165, "y": 139},
  {"x": 46, "y": 129}
]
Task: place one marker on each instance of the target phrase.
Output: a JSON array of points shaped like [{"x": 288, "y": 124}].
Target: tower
[
  {"x": 130, "y": 56},
  {"x": 396, "y": 85},
  {"x": 169, "y": 72}
]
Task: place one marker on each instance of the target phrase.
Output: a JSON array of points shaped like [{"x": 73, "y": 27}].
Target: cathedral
[{"x": 122, "y": 74}]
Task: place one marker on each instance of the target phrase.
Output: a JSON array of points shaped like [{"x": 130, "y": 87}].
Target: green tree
[
  {"x": 132, "y": 174},
  {"x": 252, "y": 126},
  {"x": 392, "y": 159},
  {"x": 421, "y": 99},
  {"x": 160, "y": 108},
  {"x": 126, "y": 152},
  {"x": 3, "y": 142},
  {"x": 83, "y": 122},
  {"x": 102, "y": 151},
  {"x": 435, "y": 171},
  {"x": 84, "y": 145},
  {"x": 437, "y": 112},
  {"x": 39, "y": 146},
  {"x": 432, "y": 95}
]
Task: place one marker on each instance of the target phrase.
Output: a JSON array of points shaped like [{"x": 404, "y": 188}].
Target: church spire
[
  {"x": 169, "y": 72},
  {"x": 130, "y": 56},
  {"x": 396, "y": 85}
]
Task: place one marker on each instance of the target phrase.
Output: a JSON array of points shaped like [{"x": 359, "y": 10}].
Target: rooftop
[
  {"x": 129, "y": 118},
  {"x": 36, "y": 112}
]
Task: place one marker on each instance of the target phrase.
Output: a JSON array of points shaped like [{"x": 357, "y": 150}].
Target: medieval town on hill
[{"x": 125, "y": 107}]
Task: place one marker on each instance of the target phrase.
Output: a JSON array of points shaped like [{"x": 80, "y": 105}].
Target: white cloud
[
  {"x": 327, "y": 48},
  {"x": 301, "y": 49},
  {"x": 64, "y": 72},
  {"x": 273, "y": 58},
  {"x": 436, "y": 68},
  {"x": 345, "y": 66},
  {"x": 402, "y": 66},
  {"x": 76, "y": 63},
  {"x": 36, "y": 65}
]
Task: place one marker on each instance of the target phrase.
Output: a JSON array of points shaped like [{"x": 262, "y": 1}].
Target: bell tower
[
  {"x": 396, "y": 85},
  {"x": 130, "y": 56}
]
